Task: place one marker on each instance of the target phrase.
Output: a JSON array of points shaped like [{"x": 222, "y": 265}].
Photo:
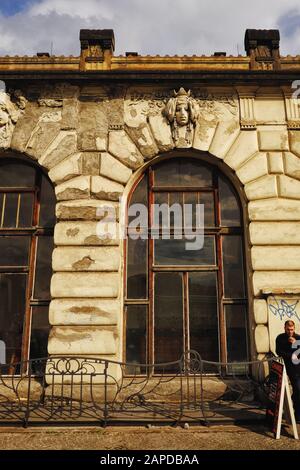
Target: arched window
[
  {"x": 27, "y": 217},
  {"x": 176, "y": 298}
]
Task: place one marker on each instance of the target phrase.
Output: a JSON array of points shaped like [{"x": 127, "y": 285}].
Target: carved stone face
[{"x": 182, "y": 114}]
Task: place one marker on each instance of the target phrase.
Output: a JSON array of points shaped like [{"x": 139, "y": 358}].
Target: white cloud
[
  {"x": 86, "y": 9},
  {"x": 156, "y": 27}
]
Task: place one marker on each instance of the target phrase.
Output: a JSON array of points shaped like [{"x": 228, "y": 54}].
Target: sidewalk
[{"x": 155, "y": 438}]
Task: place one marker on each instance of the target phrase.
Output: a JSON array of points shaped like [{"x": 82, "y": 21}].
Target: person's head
[{"x": 289, "y": 327}]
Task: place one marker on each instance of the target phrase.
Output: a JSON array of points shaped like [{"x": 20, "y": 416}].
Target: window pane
[
  {"x": 168, "y": 317},
  {"x": 26, "y": 209},
  {"x": 12, "y": 310},
  {"x": 191, "y": 199},
  {"x": 48, "y": 201},
  {"x": 209, "y": 208},
  {"x": 203, "y": 315},
  {"x": 184, "y": 252},
  {"x": 182, "y": 172},
  {"x": 39, "y": 332},
  {"x": 137, "y": 268},
  {"x": 136, "y": 321},
  {"x": 233, "y": 266},
  {"x": 161, "y": 216},
  {"x": 176, "y": 213},
  {"x": 230, "y": 211},
  {"x": 43, "y": 271},
  {"x": 10, "y": 210},
  {"x": 139, "y": 196},
  {"x": 236, "y": 333},
  {"x": 17, "y": 175},
  {"x": 14, "y": 251}
]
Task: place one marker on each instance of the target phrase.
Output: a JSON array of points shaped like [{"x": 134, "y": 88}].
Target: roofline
[{"x": 210, "y": 76}]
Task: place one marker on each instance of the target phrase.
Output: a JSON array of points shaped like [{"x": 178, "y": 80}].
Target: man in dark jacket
[{"x": 285, "y": 347}]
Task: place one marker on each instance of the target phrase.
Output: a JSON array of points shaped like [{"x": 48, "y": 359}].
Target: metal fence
[{"x": 98, "y": 391}]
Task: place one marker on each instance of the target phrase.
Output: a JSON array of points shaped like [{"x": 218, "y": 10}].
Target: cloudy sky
[{"x": 146, "y": 26}]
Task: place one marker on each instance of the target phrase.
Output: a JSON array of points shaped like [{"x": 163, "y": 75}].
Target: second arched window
[{"x": 178, "y": 298}]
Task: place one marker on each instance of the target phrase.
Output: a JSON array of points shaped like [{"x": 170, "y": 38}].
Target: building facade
[{"x": 84, "y": 138}]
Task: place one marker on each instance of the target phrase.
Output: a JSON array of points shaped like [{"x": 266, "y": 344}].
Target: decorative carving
[
  {"x": 142, "y": 104},
  {"x": 292, "y": 108},
  {"x": 51, "y": 103},
  {"x": 247, "y": 117},
  {"x": 293, "y": 125},
  {"x": 182, "y": 112},
  {"x": 11, "y": 107}
]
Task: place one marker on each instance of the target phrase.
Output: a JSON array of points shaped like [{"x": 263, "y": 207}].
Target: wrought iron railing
[{"x": 92, "y": 390}]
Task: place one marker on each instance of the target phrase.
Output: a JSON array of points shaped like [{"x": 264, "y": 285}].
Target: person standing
[{"x": 285, "y": 347}]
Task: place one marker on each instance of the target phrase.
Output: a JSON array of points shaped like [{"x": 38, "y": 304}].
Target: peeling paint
[
  {"x": 73, "y": 193},
  {"x": 84, "y": 263},
  {"x": 89, "y": 310},
  {"x": 72, "y": 232}
]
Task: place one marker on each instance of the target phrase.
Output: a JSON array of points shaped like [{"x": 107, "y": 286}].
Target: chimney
[
  {"x": 262, "y": 46},
  {"x": 97, "y": 45}
]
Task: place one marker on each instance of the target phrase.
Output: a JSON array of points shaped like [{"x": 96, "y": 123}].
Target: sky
[{"x": 145, "y": 26}]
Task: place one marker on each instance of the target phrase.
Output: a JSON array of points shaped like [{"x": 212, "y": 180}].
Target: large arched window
[
  {"x": 27, "y": 217},
  {"x": 176, "y": 298}
]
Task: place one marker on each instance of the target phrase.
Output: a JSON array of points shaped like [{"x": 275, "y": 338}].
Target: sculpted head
[{"x": 182, "y": 109}]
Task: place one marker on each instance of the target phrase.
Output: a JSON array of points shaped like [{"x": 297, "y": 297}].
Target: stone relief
[
  {"x": 203, "y": 110},
  {"x": 11, "y": 107}
]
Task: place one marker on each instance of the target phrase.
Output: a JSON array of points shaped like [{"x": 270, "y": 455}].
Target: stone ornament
[
  {"x": 9, "y": 114},
  {"x": 182, "y": 112}
]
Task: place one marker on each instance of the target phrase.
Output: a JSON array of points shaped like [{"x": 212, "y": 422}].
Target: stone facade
[{"x": 94, "y": 138}]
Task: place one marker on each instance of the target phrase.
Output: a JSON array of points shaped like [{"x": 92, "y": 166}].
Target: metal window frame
[
  {"x": 35, "y": 232},
  {"x": 218, "y": 231}
]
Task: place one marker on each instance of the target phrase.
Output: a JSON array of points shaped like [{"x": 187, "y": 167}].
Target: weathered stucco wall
[{"x": 93, "y": 139}]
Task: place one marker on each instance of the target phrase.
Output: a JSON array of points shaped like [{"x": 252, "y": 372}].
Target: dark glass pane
[
  {"x": 137, "y": 268},
  {"x": 10, "y": 210},
  {"x": 203, "y": 315},
  {"x": 209, "y": 208},
  {"x": 160, "y": 215},
  {"x": 233, "y": 266},
  {"x": 39, "y": 332},
  {"x": 26, "y": 209},
  {"x": 14, "y": 251},
  {"x": 236, "y": 333},
  {"x": 1, "y": 209},
  {"x": 184, "y": 252},
  {"x": 17, "y": 175},
  {"x": 12, "y": 310},
  {"x": 136, "y": 321},
  {"x": 48, "y": 201},
  {"x": 182, "y": 172},
  {"x": 139, "y": 196},
  {"x": 168, "y": 318},
  {"x": 230, "y": 211},
  {"x": 190, "y": 200},
  {"x": 176, "y": 212},
  {"x": 43, "y": 271}
]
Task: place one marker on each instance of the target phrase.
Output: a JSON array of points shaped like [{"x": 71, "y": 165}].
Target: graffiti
[{"x": 283, "y": 309}]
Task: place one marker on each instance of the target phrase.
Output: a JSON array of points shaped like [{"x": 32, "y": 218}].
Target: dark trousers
[{"x": 295, "y": 382}]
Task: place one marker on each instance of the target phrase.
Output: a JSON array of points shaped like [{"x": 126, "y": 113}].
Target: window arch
[
  {"x": 27, "y": 218},
  {"x": 176, "y": 298}
]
